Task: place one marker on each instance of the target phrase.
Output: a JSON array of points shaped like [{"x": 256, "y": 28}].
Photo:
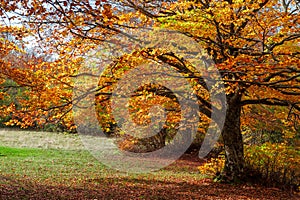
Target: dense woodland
[{"x": 254, "y": 45}]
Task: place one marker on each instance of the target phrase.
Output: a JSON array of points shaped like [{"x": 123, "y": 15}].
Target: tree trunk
[{"x": 233, "y": 141}]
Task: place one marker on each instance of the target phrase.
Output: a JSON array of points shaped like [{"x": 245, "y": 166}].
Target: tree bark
[{"x": 233, "y": 141}]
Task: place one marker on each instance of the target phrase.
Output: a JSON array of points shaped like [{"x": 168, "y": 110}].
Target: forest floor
[{"x": 41, "y": 165}]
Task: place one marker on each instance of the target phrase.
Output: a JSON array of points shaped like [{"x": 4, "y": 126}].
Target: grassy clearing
[
  {"x": 29, "y": 170},
  {"x": 22, "y": 155},
  {"x": 61, "y": 166},
  {"x": 41, "y": 165}
]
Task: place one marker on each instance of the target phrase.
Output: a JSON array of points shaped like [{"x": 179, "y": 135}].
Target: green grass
[
  {"x": 61, "y": 157},
  {"x": 62, "y": 166},
  {"x": 45, "y": 164}
]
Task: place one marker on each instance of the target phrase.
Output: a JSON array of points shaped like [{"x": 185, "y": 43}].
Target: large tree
[{"x": 254, "y": 45}]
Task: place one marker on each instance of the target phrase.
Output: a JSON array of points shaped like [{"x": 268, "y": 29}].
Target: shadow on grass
[{"x": 134, "y": 188}]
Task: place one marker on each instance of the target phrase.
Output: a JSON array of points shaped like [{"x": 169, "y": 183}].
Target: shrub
[
  {"x": 213, "y": 166},
  {"x": 277, "y": 164}
]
